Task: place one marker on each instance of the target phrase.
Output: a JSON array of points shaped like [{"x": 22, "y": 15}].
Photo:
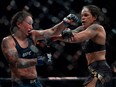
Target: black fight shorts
[{"x": 100, "y": 70}]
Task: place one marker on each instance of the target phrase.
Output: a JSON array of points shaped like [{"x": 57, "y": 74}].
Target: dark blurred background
[{"x": 68, "y": 60}]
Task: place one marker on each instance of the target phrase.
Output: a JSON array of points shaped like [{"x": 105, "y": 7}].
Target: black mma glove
[
  {"x": 67, "y": 34},
  {"x": 71, "y": 17}
]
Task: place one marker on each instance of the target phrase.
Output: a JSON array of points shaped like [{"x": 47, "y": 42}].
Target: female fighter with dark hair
[
  {"x": 20, "y": 51},
  {"x": 93, "y": 34}
]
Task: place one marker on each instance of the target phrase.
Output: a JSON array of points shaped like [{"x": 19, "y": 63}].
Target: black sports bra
[
  {"x": 90, "y": 46},
  {"x": 25, "y": 52}
]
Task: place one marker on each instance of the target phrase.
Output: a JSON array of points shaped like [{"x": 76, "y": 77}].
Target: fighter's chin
[
  {"x": 28, "y": 34},
  {"x": 84, "y": 25}
]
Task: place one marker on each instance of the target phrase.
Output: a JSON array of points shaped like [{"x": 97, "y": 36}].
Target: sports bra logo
[{"x": 26, "y": 54}]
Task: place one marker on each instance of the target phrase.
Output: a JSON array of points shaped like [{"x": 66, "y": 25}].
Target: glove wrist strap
[{"x": 65, "y": 23}]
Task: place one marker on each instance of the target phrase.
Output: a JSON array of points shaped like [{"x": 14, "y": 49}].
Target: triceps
[{"x": 9, "y": 53}]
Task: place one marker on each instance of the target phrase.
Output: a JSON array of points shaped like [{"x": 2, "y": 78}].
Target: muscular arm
[
  {"x": 71, "y": 19},
  {"x": 86, "y": 34},
  {"x": 55, "y": 30},
  {"x": 78, "y": 29},
  {"x": 11, "y": 54}
]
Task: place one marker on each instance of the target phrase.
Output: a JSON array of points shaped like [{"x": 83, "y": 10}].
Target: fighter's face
[
  {"x": 87, "y": 18},
  {"x": 26, "y": 25}
]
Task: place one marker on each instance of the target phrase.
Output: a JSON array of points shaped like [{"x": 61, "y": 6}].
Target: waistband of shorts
[
  {"x": 97, "y": 63},
  {"x": 26, "y": 81}
]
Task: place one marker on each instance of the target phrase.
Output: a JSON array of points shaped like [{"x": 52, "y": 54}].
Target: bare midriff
[
  {"x": 95, "y": 56},
  {"x": 24, "y": 73}
]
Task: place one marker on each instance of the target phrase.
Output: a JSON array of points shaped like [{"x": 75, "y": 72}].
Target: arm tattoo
[
  {"x": 8, "y": 52},
  {"x": 15, "y": 61},
  {"x": 93, "y": 27},
  {"x": 12, "y": 53},
  {"x": 78, "y": 29},
  {"x": 26, "y": 63},
  {"x": 12, "y": 56}
]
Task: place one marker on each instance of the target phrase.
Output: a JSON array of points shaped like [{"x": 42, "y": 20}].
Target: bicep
[
  {"x": 83, "y": 35},
  {"x": 78, "y": 29},
  {"x": 80, "y": 36}
]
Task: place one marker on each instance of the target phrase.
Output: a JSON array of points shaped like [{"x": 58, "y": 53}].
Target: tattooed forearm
[{"x": 25, "y": 63}]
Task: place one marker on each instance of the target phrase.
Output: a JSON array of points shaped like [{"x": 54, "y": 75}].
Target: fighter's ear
[
  {"x": 95, "y": 18},
  {"x": 19, "y": 20},
  {"x": 18, "y": 24}
]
